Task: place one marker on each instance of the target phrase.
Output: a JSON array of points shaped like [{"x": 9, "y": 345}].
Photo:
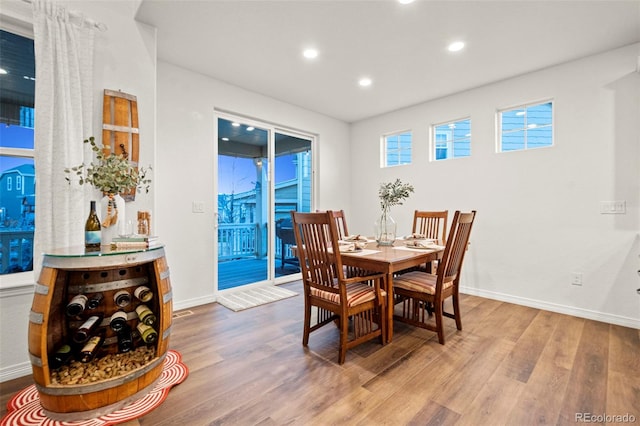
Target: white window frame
[
  {"x": 384, "y": 150},
  {"x": 526, "y": 127},
  {"x": 450, "y": 143},
  {"x": 18, "y": 283}
]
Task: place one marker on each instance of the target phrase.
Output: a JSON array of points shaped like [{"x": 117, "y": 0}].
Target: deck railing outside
[{"x": 242, "y": 240}]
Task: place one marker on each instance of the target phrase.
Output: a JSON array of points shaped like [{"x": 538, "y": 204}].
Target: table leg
[{"x": 389, "y": 289}]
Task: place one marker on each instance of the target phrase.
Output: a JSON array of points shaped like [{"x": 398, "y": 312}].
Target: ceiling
[{"x": 257, "y": 45}]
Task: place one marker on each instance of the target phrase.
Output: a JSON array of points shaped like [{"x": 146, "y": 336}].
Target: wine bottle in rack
[
  {"x": 90, "y": 349},
  {"x": 77, "y": 305},
  {"x": 122, "y": 298},
  {"x": 125, "y": 339},
  {"x": 61, "y": 356},
  {"x": 143, "y": 293},
  {"x": 86, "y": 329},
  {"x": 147, "y": 333},
  {"x": 145, "y": 315},
  {"x": 92, "y": 237},
  {"x": 118, "y": 320},
  {"x": 95, "y": 300}
]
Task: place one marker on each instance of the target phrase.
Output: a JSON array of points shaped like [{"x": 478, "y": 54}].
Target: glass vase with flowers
[
  {"x": 391, "y": 194},
  {"x": 112, "y": 174}
]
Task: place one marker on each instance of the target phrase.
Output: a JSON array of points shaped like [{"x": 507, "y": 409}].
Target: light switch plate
[
  {"x": 197, "y": 207},
  {"x": 613, "y": 207}
]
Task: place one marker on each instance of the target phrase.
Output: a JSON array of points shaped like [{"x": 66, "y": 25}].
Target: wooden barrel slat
[{"x": 49, "y": 327}]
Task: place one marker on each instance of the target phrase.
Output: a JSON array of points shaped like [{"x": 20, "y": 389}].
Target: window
[
  {"x": 17, "y": 172},
  {"x": 396, "y": 149},
  {"x": 452, "y": 139},
  {"x": 526, "y": 127}
]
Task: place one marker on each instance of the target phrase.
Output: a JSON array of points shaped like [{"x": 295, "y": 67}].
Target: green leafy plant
[
  {"x": 393, "y": 193},
  {"x": 110, "y": 173}
]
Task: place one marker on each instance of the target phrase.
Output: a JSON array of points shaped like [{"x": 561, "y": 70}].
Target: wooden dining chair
[
  {"x": 431, "y": 224},
  {"x": 341, "y": 223},
  {"x": 420, "y": 292},
  {"x": 359, "y": 302}
]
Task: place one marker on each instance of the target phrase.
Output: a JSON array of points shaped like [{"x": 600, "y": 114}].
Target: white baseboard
[
  {"x": 14, "y": 371},
  {"x": 554, "y": 307},
  {"x": 191, "y": 303}
]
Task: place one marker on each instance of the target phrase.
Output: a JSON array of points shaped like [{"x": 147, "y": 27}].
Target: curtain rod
[{"x": 74, "y": 14}]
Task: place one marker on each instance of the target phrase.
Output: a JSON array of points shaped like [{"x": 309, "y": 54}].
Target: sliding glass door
[{"x": 262, "y": 174}]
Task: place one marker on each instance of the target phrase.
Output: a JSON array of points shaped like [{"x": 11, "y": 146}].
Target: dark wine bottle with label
[
  {"x": 77, "y": 305},
  {"x": 61, "y": 356},
  {"x": 95, "y": 300},
  {"x": 92, "y": 237},
  {"x": 86, "y": 329},
  {"x": 90, "y": 349},
  {"x": 122, "y": 298},
  {"x": 125, "y": 339},
  {"x": 118, "y": 320}
]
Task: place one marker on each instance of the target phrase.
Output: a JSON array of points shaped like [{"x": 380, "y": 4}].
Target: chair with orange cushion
[
  {"x": 358, "y": 303},
  {"x": 419, "y": 292}
]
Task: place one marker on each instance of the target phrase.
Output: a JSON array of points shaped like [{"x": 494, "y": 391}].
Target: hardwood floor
[{"x": 509, "y": 365}]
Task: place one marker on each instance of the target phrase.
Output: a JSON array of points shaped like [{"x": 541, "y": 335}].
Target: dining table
[{"x": 390, "y": 260}]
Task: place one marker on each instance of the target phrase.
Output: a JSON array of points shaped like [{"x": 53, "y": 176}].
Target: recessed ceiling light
[
  {"x": 405, "y": 1},
  {"x": 456, "y": 46},
  {"x": 225, "y": 139},
  {"x": 365, "y": 82},
  {"x": 250, "y": 129},
  {"x": 310, "y": 53},
  {"x": 3, "y": 71},
  {"x": 235, "y": 124}
]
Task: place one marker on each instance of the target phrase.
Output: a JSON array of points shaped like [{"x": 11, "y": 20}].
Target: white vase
[
  {"x": 112, "y": 220},
  {"x": 385, "y": 229}
]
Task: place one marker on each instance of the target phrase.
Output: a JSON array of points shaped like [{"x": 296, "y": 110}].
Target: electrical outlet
[{"x": 576, "y": 278}]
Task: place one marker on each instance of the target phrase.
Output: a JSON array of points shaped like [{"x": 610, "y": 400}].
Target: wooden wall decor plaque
[{"x": 120, "y": 132}]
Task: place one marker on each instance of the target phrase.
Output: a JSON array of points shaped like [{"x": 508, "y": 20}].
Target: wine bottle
[
  {"x": 60, "y": 357},
  {"x": 125, "y": 339},
  {"x": 92, "y": 238},
  {"x": 122, "y": 298},
  {"x": 77, "y": 305},
  {"x": 118, "y": 320},
  {"x": 90, "y": 349},
  {"x": 145, "y": 315},
  {"x": 95, "y": 300},
  {"x": 85, "y": 330},
  {"x": 143, "y": 293},
  {"x": 147, "y": 333}
]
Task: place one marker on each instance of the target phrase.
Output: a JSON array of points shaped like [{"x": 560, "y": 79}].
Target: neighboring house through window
[
  {"x": 526, "y": 127},
  {"x": 396, "y": 149},
  {"x": 17, "y": 172},
  {"x": 451, "y": 139}
]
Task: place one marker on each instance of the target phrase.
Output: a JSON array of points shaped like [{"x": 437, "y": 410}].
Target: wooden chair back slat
[{"x": 432, "y": 224}]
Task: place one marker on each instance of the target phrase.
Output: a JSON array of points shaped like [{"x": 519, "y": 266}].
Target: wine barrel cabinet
[{"x": 67, "y": 273}]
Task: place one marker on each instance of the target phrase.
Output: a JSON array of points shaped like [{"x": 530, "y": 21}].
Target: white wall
[
  {"x": 538, "y": 211},
  {"x": 186, "y": 168},
  {"x": 125, "y": 59}
]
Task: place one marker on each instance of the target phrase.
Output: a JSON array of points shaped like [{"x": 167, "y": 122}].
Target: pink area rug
[{"x": 24, "y": 408}]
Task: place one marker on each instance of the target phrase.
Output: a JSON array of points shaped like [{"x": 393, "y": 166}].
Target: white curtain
[{"x": 63, "y": 44}]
